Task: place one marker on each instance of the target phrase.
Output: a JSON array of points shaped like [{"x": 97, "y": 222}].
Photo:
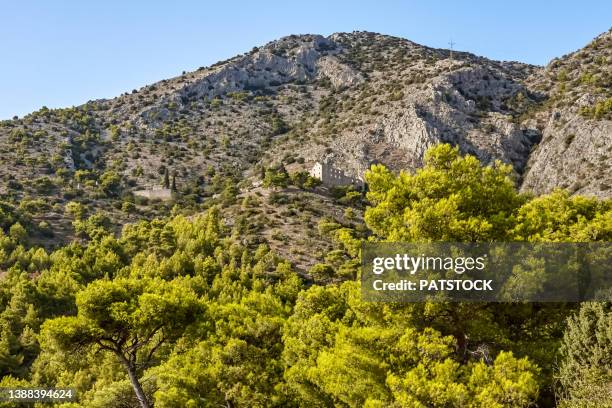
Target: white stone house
[
  {"x": 155, "y": 193},
  {"x": 332, "y": 176}
]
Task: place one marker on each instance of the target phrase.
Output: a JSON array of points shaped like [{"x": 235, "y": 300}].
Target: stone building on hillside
[
  {"x": 332, "y": 176},
  {"x": 155, "y": 193}
]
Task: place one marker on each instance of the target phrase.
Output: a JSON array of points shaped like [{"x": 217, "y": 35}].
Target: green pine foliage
[
  {"x": 585, "y": 374},
  {"x": 180, "y": 312}
]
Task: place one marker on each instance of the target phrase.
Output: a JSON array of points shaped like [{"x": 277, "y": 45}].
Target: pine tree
[
  {"x": 586, "y": 368},
  {"x": 166, "y": 179}
]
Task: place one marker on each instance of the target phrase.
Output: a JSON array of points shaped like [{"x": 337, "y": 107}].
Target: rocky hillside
[
  {"x": 576, "y": 123},
  {"x": 355, "y": 98}
]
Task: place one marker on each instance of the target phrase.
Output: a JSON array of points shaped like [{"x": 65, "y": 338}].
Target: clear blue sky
[{"x": 63, "y": 53}]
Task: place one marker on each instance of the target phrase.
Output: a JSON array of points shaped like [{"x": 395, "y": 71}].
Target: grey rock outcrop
[{"x": 575, "y": 153}]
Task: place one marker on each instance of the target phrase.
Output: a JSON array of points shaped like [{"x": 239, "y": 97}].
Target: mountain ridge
[{"x": 352, "y": 98}]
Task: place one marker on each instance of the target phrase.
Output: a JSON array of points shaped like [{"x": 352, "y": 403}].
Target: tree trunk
[{"x": 140, "y": 395}]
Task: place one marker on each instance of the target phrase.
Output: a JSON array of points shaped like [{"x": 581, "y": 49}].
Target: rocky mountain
[
  {"x": 352, "y": 98},
  {"x": 575, "y": 122}
]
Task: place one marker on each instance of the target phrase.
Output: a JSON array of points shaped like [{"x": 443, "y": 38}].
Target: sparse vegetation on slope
[{"x": 182, "y": 312}]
